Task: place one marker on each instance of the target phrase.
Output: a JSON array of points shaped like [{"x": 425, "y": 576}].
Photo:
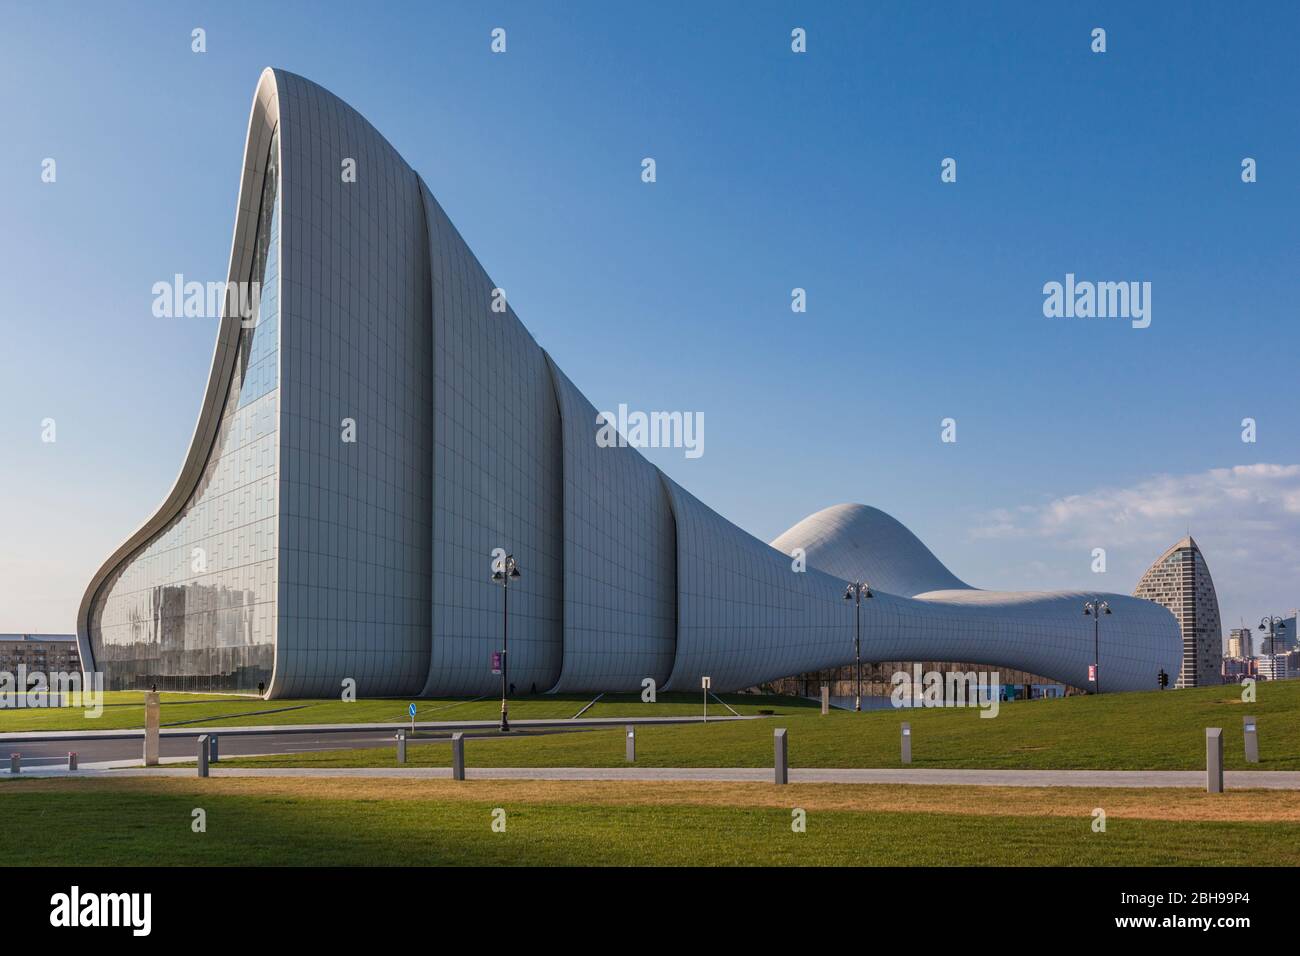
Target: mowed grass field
[
  {"x": 1155, "y": 730},
  {"x": 124, "y": 710},
  {"x": 289, "y": 822},
  {"x": 1142, "y": 731}
]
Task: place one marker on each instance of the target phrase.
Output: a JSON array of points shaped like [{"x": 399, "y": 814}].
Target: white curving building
[{"x": 376, "y": 430}]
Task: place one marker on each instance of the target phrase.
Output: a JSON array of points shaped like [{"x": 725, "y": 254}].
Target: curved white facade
[
  {"x": 496, "y": 480},
  {"x": 945, "y": 619},
  {"x": 857, "y": 543},
  {"x": 195, "y": 588},
  {"x": 620, "y": 559},
  {"x": 290, "y": 557}
]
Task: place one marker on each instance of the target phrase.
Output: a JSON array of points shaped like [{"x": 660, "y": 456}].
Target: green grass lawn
[
  {"x": 1157, "y": 730},
  {"x": 136, "y": 828},
  {"x": 124, "y": 710}
]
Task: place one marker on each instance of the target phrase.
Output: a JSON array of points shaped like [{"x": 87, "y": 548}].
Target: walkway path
[{"x": 1234, "y": 779}]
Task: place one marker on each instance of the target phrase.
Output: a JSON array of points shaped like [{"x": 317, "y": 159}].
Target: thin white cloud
[
  {"x": 1246, "y": 520},
  {"x": 1263, "y": 496}
]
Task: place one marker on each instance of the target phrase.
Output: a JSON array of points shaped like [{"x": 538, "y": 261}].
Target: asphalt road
[{"x": 52, "y": 753}]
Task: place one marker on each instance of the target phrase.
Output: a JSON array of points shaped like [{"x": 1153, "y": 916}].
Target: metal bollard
[
  {"x": 782, "y": 763},
  {"x": 631, "y": 743},
  {"x": 72, "y": 760},
  {"x": 457, "y": 756},
  {"x": 1252, "y": 740},
  {"x": 212, "y": 748},
  {"x": 152, "y": 718},
  {"x": 203, "y": 755},
  {"x": 907, "y": 742},
  {"x": 1214, "y": 759},
  {"x": 401, "y": 746},
  {"x": 15, "y": 763}
]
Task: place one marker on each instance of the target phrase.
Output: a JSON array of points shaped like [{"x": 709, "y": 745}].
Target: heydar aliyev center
[{"x": 376, "y": 430}]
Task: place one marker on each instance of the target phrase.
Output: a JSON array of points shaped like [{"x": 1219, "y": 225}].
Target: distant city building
[
  {"x": 1292, "y": 663},
  {"x": 1274, "y": 666},
  {"x": 1284, "y": 638},
  {"x": 1236, "y": 669},
  {"x": 1180, "y": 581},
  {"x": 1240, "y": 642},
  {"x": 48, "y": 653}
]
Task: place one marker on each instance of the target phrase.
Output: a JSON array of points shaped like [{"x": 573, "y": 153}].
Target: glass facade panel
[{"x": 195, "y": 608}]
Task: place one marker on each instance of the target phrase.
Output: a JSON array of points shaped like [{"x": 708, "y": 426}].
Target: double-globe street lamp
[
  {"x": 503, "y": 574},
  {"x": 1096, "y": 608},
  {"x": 1272, "y": 623},
  {"x": 856, "y": 592}
]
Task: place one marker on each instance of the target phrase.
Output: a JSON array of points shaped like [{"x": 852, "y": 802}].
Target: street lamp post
[
  {"x": 1096, "y": 608},
  {"x": 1272, "y": 623},
  {"x": 855, "y": 592},
  {"x": 507, "y": 571}
]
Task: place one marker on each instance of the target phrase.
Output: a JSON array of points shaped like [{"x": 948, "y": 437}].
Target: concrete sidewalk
[{"x": 1194, "y": 779}]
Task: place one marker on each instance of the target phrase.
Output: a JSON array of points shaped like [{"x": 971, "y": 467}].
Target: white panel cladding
[
  {"x": 497, "y": 481},
  {"x": 620, "y": 566},
  {"x": 355, "y": 516},
  {"x": 1041, "y": 632},
  {"x": 744, "y": 615},
  {"x": 856, "y": 542}
]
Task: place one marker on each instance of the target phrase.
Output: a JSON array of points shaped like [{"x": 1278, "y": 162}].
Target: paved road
[
  {"x": 50, "y": 748},
  {"x": 91, "y": 750},
  {"x": 1234, "y": 779}
]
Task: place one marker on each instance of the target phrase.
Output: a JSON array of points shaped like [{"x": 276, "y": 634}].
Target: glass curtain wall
[{"x": 195, "y": 608}]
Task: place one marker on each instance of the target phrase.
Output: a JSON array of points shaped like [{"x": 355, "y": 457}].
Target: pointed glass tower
[{"x": 1180, "y": 580}]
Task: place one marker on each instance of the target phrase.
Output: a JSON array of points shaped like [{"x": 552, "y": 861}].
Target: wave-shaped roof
[{"x": 859, "y": 543}]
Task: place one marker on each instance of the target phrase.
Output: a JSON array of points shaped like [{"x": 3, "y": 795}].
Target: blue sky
[{"x": 775, "y": 170}]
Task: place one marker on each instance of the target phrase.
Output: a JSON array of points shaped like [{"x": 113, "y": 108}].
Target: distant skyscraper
[
  {"x": 1180, "y": 581},
  {"x": 1283, "y": 640},
  {"x": 1239, "y": 642}
]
